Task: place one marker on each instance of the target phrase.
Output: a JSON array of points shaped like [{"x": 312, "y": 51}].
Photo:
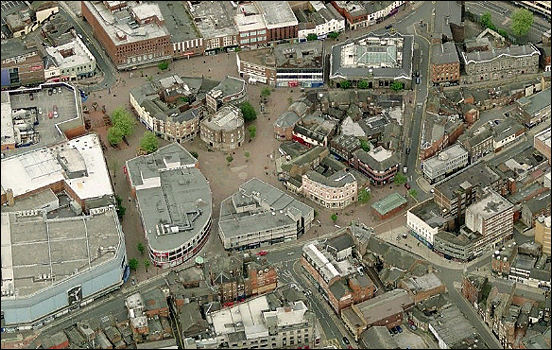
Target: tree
[
  {"x": 364, "y": 196},
  {"x": 345, "y": 84},
  {"x": 396, "y": 86},
  {"x": 333, "y": 35},
  {"x": 363, "y": 84},
  {"x": 194, "y": 154},
  {"x": 312, "y": 37},
  {"x": 183, "y": 99},
  {"x": 119, "y": 208},
  {"x": 114, "y": 136},
  {"x": 252, "y": 131},
  {"x": 133, "y": 264},
  {"x": 365, "y": 145},
  {"x": 400, "y": 179},
  {"x": 522, "y": 20},
  {"x": 486, "y": 20},
  {"x": 163, "y": 65},
  {"x": 413, "y": 193},
  {"x": 248, "y": 111},
  {"x": 503, "y": 33},
  {"x": 146, "y": 264},
  {"x": 334, "y": 217},
  {"x": 229, "y": 159},
  {"x": 122, "y": 119},
  {"x": 290, "y": 100},
  {"x": 149, "y": 142},
  {"x": 141, "y": 248},
  {"x": 247, "y": 155},
  {"x": 265, "y": 92}
]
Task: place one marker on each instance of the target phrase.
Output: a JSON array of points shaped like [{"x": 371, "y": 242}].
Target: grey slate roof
[
  {"x": 444, "y": 53},
  {"x": 495, "y": 53}
]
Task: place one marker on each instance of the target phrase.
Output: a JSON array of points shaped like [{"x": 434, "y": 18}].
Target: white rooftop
[
  {"x": 8, "y": 134},
  {"x": 79, "y": 54},
  {"x": 38, "y": 168},
  {"x": 380, "y": 154},
  {"x": 544, "y": 136}
]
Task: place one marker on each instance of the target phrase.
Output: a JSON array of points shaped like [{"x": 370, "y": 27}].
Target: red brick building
[
  {"x": 439, "y": 134},
  {"x": 21, "y": 63},
  {"x": 472, "y": 285},
  {"x": 445, "y": 64},
  {"x": 151, "y": 42},
  {"x": 389, "y": 206},
  {"x": 281, "y": 23},
  {"x": 380, "y": 165}
]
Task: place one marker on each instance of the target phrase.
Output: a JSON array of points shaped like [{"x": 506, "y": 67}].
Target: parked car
[
  {"x": 262, "y": 253},
  {"x": 389, "y": 26},
  {"x": 346, "y": 341},
  {"x": 399, "y": 329},
  {"x": 31, "y": 96},
  {"x": 407, "y": 185}
]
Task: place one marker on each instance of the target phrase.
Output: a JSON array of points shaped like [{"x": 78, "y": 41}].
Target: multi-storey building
[
  {"x": 186, "y": 40},
  {"x": 386, "y": 310},
  {"x": 456, "y": 193},
  {"x": 224, "y": 130},
  {"x": 379, "y": 164},
  {"x": 284, "y": 65},
  {"x": 445, "y": 64},
  {"x": 319, "y": 19},
  {"x": 281, "y": 23},
  {"x": 69, "y": 61},
  {"x": 174, "y": 201},
  {"x": 500, "y": 63},
  {"x": 493, "y": 218},
  {"x": 132, "y": 34},
  {"x": 283, "y": 126},
  {"x": 378, "y": 59},
  {"x": 337, "y": 190},
  {"x": 365, "y": 13},
  {"x": 230, "y": 90},
  {"x": 535, "y": 108},
  {"x": 542, "y": 142},
  {"x": 439, "y": 132},
  {"x": 22, "y": 63},
  {"x": 344, "y": 145},
  {"x": 542, "y": 233},
  {"x": 214, "y": 21},
  {"x": 151, "y": 103},
  {"x": 261, "y": 214},
  {"x": 251, "y": 26},
  {"x": 331, "y": 265},
  {"x": 424, "y": 221},
  {"x": 275, "y": 321},
  {"x": 446, "y": 162},
  {"x": 314, "y": 130},
  {"x": 478, "y": 143}
]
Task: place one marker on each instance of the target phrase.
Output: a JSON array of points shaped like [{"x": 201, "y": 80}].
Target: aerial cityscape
[{"x": 276, "y": 174}]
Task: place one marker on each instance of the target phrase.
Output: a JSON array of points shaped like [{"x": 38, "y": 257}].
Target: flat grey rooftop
[
  {"x": 60, "y": 248},
  {"x": 277, "y": 14},
  {"x": 171, "y": 193},
  {"x": 302, "y": 55},
  {"x": 177, "y": 20},
  {"x": 214, "y": 19},
  {"x": 69, "y": 112},
  {"x": 444, "y": 53},
  {"x": 478, "y": 175},
  {"x": 430, "y": 213}
]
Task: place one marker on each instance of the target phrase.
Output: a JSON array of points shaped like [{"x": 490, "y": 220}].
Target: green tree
[
  {"x": 146, "y": 264},
  {"x": 400, "y": 179},
  {"x": 114, "y": 136},
  {"x": 247, "y": 155},
  {"x": 334, "y": 217},
  {"x": 345, "y": 84},
  {"x": 194, "y": 154},
  {"x": 312, "y": 37},
  {"x": 119, "y": 208},
  {"x": 252, "y": 131},
  {"x": 364, "y": 196},
  {"x": 363, "y": 84},
  {"x": 229, "y": 159},
  {"x": 486, "y": 20},
  {"x": 365, "y": 145},
  {"x": 122, "y": 119},
  {"x": 133, "y": 264},
  {"x": 413, "y": 193},
  {"x": 163, "y": 65},
  {"x": 149, "y": 142},
  {"x": 396, "y": 86},
  {"x": 248, "y": 111},
  {"x": 503, "y": 33},
  {"x": 522, "y": 20},
  {"x": 141, "y": 248},
  {"x": 333, "y": 35},
  {"x": 183, "y": 99},
  {"x": 265, "y": 92}
]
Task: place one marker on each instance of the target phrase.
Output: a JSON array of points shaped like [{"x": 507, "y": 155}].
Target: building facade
[
  {"x": 445, "y": 64},
  {"x": 542, "y": 233},
  {"x": 445, "y": 163},
  {"x": 140, "y": 37},
  {"x": 337, "y": 191},
  {"x": 501, "y": 63},
  {"x": 174, "y": 201},
  {"x": 22, "y": 64},
  {"x": 70, "y": 61},
  {"x": 224, "y": 130},
  {"x": 380, "y": 165},
  {"x": 231, "y": 90}
]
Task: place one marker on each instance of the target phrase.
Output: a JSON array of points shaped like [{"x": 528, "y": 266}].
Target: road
[
  {"x": 103, "y": 62},
  {"x": 501, "y": 12}
]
